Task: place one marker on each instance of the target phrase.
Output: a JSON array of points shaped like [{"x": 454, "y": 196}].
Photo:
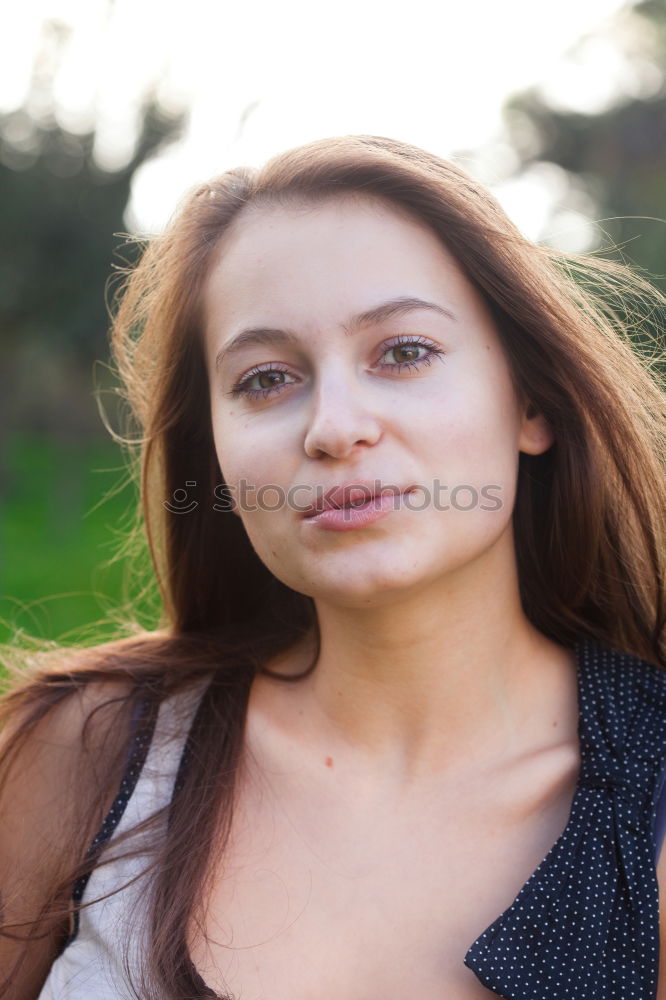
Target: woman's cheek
[
  {"x": 269, "y": 543},
  {"x": 249, "y": 481}
]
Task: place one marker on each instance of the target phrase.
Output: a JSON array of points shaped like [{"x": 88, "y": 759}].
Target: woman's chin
[{"x": 362, "y": 589}]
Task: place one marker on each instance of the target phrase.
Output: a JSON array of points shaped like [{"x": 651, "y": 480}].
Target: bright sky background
[{"x": 265, "y": 75}]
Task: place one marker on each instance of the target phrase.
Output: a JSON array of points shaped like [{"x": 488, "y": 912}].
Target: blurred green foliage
[{"x": 67, "y": 508}]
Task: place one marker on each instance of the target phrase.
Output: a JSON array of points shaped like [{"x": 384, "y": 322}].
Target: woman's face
[{"x": 346, "y": 377}]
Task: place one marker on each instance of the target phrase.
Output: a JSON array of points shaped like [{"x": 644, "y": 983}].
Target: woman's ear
[{"x": 536, "y": 435}]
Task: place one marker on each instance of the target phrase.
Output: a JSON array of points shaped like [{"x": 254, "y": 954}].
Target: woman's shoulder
[
  {"x": 60, "y": 726},
  {"x": 81, "y": 700},
  {"x": 59, "y": 759},
  {"x": 623, "y": 707},
  {"x": 65, "y": 751},
  {"x": 60, "y": 762},
  {"x": 622, "y": 670}
]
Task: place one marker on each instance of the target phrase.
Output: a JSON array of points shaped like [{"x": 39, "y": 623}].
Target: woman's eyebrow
[{"x": 265, "y": 335}]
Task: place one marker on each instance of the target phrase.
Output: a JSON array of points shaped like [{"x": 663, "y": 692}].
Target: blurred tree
[
  {"x": 61, "y": 216},
  {"x": 615, "y": 155}
]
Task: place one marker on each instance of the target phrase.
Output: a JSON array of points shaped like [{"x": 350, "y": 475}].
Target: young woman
[{"x": 402, "y": 731}]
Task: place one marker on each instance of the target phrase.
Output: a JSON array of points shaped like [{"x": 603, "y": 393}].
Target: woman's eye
[
  {"x": 407, "y": 352},
  {"x": 411, "y": 352},
  {"x": 268, "y": 379}
]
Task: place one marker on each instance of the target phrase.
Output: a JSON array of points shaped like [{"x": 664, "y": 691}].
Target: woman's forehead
[
  {"x": 333, "y": 210},
  {"x": 309, "y": 249}
]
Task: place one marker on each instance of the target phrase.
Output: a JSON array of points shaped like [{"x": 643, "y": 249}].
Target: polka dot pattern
[{"x": 586, "y": 923}]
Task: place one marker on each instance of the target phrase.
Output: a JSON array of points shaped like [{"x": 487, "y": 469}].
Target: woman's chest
[{"x": 320, "y": 899}]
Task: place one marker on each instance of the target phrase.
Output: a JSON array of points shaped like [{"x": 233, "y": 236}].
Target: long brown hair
[{"x": 589, "y": 517}]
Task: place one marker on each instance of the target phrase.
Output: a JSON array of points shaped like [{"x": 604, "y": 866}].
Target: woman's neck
[{"x": 450, "y": 677}]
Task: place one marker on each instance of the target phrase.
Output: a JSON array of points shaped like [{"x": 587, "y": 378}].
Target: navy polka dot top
[
  {"x": 586, "y": 923},
  {"x": 585, "y": 926}
]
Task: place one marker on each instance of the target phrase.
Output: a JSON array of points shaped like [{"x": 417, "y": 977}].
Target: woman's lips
[
  {"x": 349, "y": 493},
  {"x": 354, "y": 516}
]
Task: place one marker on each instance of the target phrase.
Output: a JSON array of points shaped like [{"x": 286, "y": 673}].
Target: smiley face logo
[{"x": 178, "y": 503}]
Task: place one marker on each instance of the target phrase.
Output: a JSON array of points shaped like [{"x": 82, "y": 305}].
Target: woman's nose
[{"x": 341, "y": 417}]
